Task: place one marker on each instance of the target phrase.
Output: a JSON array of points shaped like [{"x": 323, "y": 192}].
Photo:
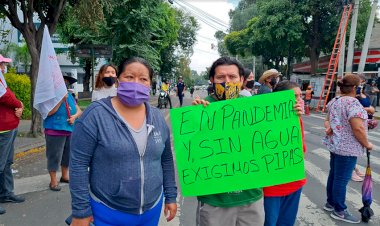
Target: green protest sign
[{"x": 238, "y": 144}]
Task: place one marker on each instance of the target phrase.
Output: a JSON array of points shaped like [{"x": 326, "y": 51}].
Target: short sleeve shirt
[{"x": 343, "y": 141}]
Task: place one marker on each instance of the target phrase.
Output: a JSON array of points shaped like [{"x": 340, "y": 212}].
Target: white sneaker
[{"x": 356, "y": 177}]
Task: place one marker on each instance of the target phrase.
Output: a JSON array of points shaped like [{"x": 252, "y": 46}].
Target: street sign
[{"x": 96, "y": 51}]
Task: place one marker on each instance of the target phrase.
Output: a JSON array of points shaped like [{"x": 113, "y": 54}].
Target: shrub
[{"x": 21, "y": 87}]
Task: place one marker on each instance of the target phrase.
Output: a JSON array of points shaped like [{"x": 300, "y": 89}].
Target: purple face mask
[{"x": 133, "y": 94}]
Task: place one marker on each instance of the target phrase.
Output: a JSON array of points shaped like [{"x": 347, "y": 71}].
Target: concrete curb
[{"x": 29, "y": 151}]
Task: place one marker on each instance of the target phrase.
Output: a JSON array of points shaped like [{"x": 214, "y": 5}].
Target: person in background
[
  {"x": 154, "y": 87},
  {"x": 308, "y": 97},
  {"x": 346, "y": 139},
  {"x": 248, "y": 84},
  {"x": 192, "y": 91},
  {"x": 181, "y": 88},
  {"x": 122, "y": 167},
  {"x": 105, "y": 85},
  {"x": 268, "y": 81},
  {"x": 165, "y": 87},
  {"x": 10, "y": 110},
  {"x": 58, "y": 128},
  {"x": 366, "y": 103},
  {"x": 281, "y": 201},
  {"x": 373, "y": 94}
]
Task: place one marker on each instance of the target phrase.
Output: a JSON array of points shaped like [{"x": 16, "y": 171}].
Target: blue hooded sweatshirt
[{"x": 104, "y": 155}]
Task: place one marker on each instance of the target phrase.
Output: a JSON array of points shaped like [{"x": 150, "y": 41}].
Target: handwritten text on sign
[{"x": 238, "y": 144}]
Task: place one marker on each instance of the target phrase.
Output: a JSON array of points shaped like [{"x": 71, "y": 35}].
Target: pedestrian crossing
[{"x": 316, "y": 167}]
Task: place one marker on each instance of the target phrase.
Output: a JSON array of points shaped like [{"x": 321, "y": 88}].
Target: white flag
[
  {"x": 3, "y": 85},
  {"x": 50, "y": 87}
]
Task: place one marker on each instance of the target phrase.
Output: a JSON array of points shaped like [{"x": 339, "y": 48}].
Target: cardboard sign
[{"x": 238, "y": 144}]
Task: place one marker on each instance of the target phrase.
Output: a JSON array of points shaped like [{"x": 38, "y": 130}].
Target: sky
[{"x": 203, "y": 55}]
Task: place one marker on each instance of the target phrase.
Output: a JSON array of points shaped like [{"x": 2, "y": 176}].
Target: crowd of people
[{"x": 117, "y": 154}]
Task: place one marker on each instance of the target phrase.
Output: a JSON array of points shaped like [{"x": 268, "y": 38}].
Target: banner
[
  {"x": 50, "y": 87},
  {"x": 3, "y": 84},
  {"x": 238, "y": 144}
]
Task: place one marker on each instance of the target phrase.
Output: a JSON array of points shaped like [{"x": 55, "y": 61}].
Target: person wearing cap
[
  {"x": 268, "y": 81},
  {"x": 11, "y": 110},
  {"x": 181, "y": 88},
  {"x": 236, "y": 208},
  {"x": 248, "y": 84},
  {"x": 58, "y": 128}
]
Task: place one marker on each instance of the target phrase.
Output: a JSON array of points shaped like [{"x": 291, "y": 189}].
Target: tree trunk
[
  {"x": 314, "y": 42},
  {"x": 87, "y": 75},
  {"x": 314, "y": 56},
  {"x": 290, "y": 59},
  {"x": 35, "y": 127}
]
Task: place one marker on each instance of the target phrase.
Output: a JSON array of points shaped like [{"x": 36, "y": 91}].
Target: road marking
[
  {"x": 353, "y": 196},
  {"x": 317, "y": 116},
  {"x": 306, "y": 132},
  {"x": 318, "y": 127},
  {"x": 311, "y": 214},
  {"x": 326, "y": 155}
]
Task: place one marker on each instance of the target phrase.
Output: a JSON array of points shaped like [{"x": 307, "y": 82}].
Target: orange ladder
[{"x": 334, "y": 59}]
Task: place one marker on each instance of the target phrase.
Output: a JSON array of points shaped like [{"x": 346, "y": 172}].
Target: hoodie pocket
[{"x": 128, "y": 193}]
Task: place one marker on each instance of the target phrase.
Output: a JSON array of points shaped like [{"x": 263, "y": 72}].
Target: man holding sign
[{"x": 228, "y": 183}]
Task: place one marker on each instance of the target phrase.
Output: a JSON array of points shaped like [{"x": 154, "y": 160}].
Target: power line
[
  {"x": 198, "y": 35},
  {"x": 207, "y": 15},
  {"x": 201, "y": 18},
  {"x": 203, "y": 15},
  {"x": 205, "y": 51}
]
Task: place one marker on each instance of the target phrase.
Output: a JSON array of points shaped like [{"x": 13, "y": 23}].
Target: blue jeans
[
  {"x": 282, "y": 210},
  {"x": 340, "y": 174},
  {"x": 104, "y": 216},
  {"x": 6, "y": 160}
]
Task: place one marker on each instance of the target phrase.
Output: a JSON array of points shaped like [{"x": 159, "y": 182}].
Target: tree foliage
[
  {"x": 283, "y": 29},
  {"x": 149, "y": 29},
  {"x": 21, "y": 14}
]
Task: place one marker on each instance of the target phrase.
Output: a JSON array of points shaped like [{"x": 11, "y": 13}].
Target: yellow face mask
[{"x": 227, "y": 90}]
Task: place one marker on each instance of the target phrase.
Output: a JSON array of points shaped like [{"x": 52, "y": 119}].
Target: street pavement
[{"x": 44, "y": 207}]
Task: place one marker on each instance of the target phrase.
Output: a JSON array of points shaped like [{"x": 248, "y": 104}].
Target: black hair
[
  {"x": 131, "y": 60},
  {"x": 226, "y": 61},
  {"x": 285, "y": 85},
  {"x": 247, "y": 72}
]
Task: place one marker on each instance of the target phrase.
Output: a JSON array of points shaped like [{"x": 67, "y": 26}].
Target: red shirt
[
  {"x": 289, "y": 188},
  {"x": 8, "y": 118}
]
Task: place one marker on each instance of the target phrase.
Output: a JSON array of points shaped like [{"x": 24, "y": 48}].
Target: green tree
[
  {"x": 48, "y": 13},
  {"x": 22, "y": 55}
]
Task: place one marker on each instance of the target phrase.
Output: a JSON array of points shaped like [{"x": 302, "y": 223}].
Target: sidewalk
[{"x": 22, "y": 143}]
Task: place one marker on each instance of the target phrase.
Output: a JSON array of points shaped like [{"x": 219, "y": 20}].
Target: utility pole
[
  {"x": 368, "y": 33},
  {"x": 343, "y": 49},
  {"x": 351, "y": 42}
]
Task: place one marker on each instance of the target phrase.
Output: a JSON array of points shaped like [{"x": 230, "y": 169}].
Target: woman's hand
[
  {"x": 298, "y": 109},
  {"x": 172, "y": 209},
  {"x": 18, "y": 112},
  {"x": 369, "y": 147},
  {"x": 82, "y": 221},
  {"x": 328, "y": 131},
  {"x": 198, "y": 101},
  {"x": 71, "y": 120}
]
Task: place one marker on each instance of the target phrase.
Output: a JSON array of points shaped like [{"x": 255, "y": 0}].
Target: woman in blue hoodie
[{"x": 121, "y": 168}]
